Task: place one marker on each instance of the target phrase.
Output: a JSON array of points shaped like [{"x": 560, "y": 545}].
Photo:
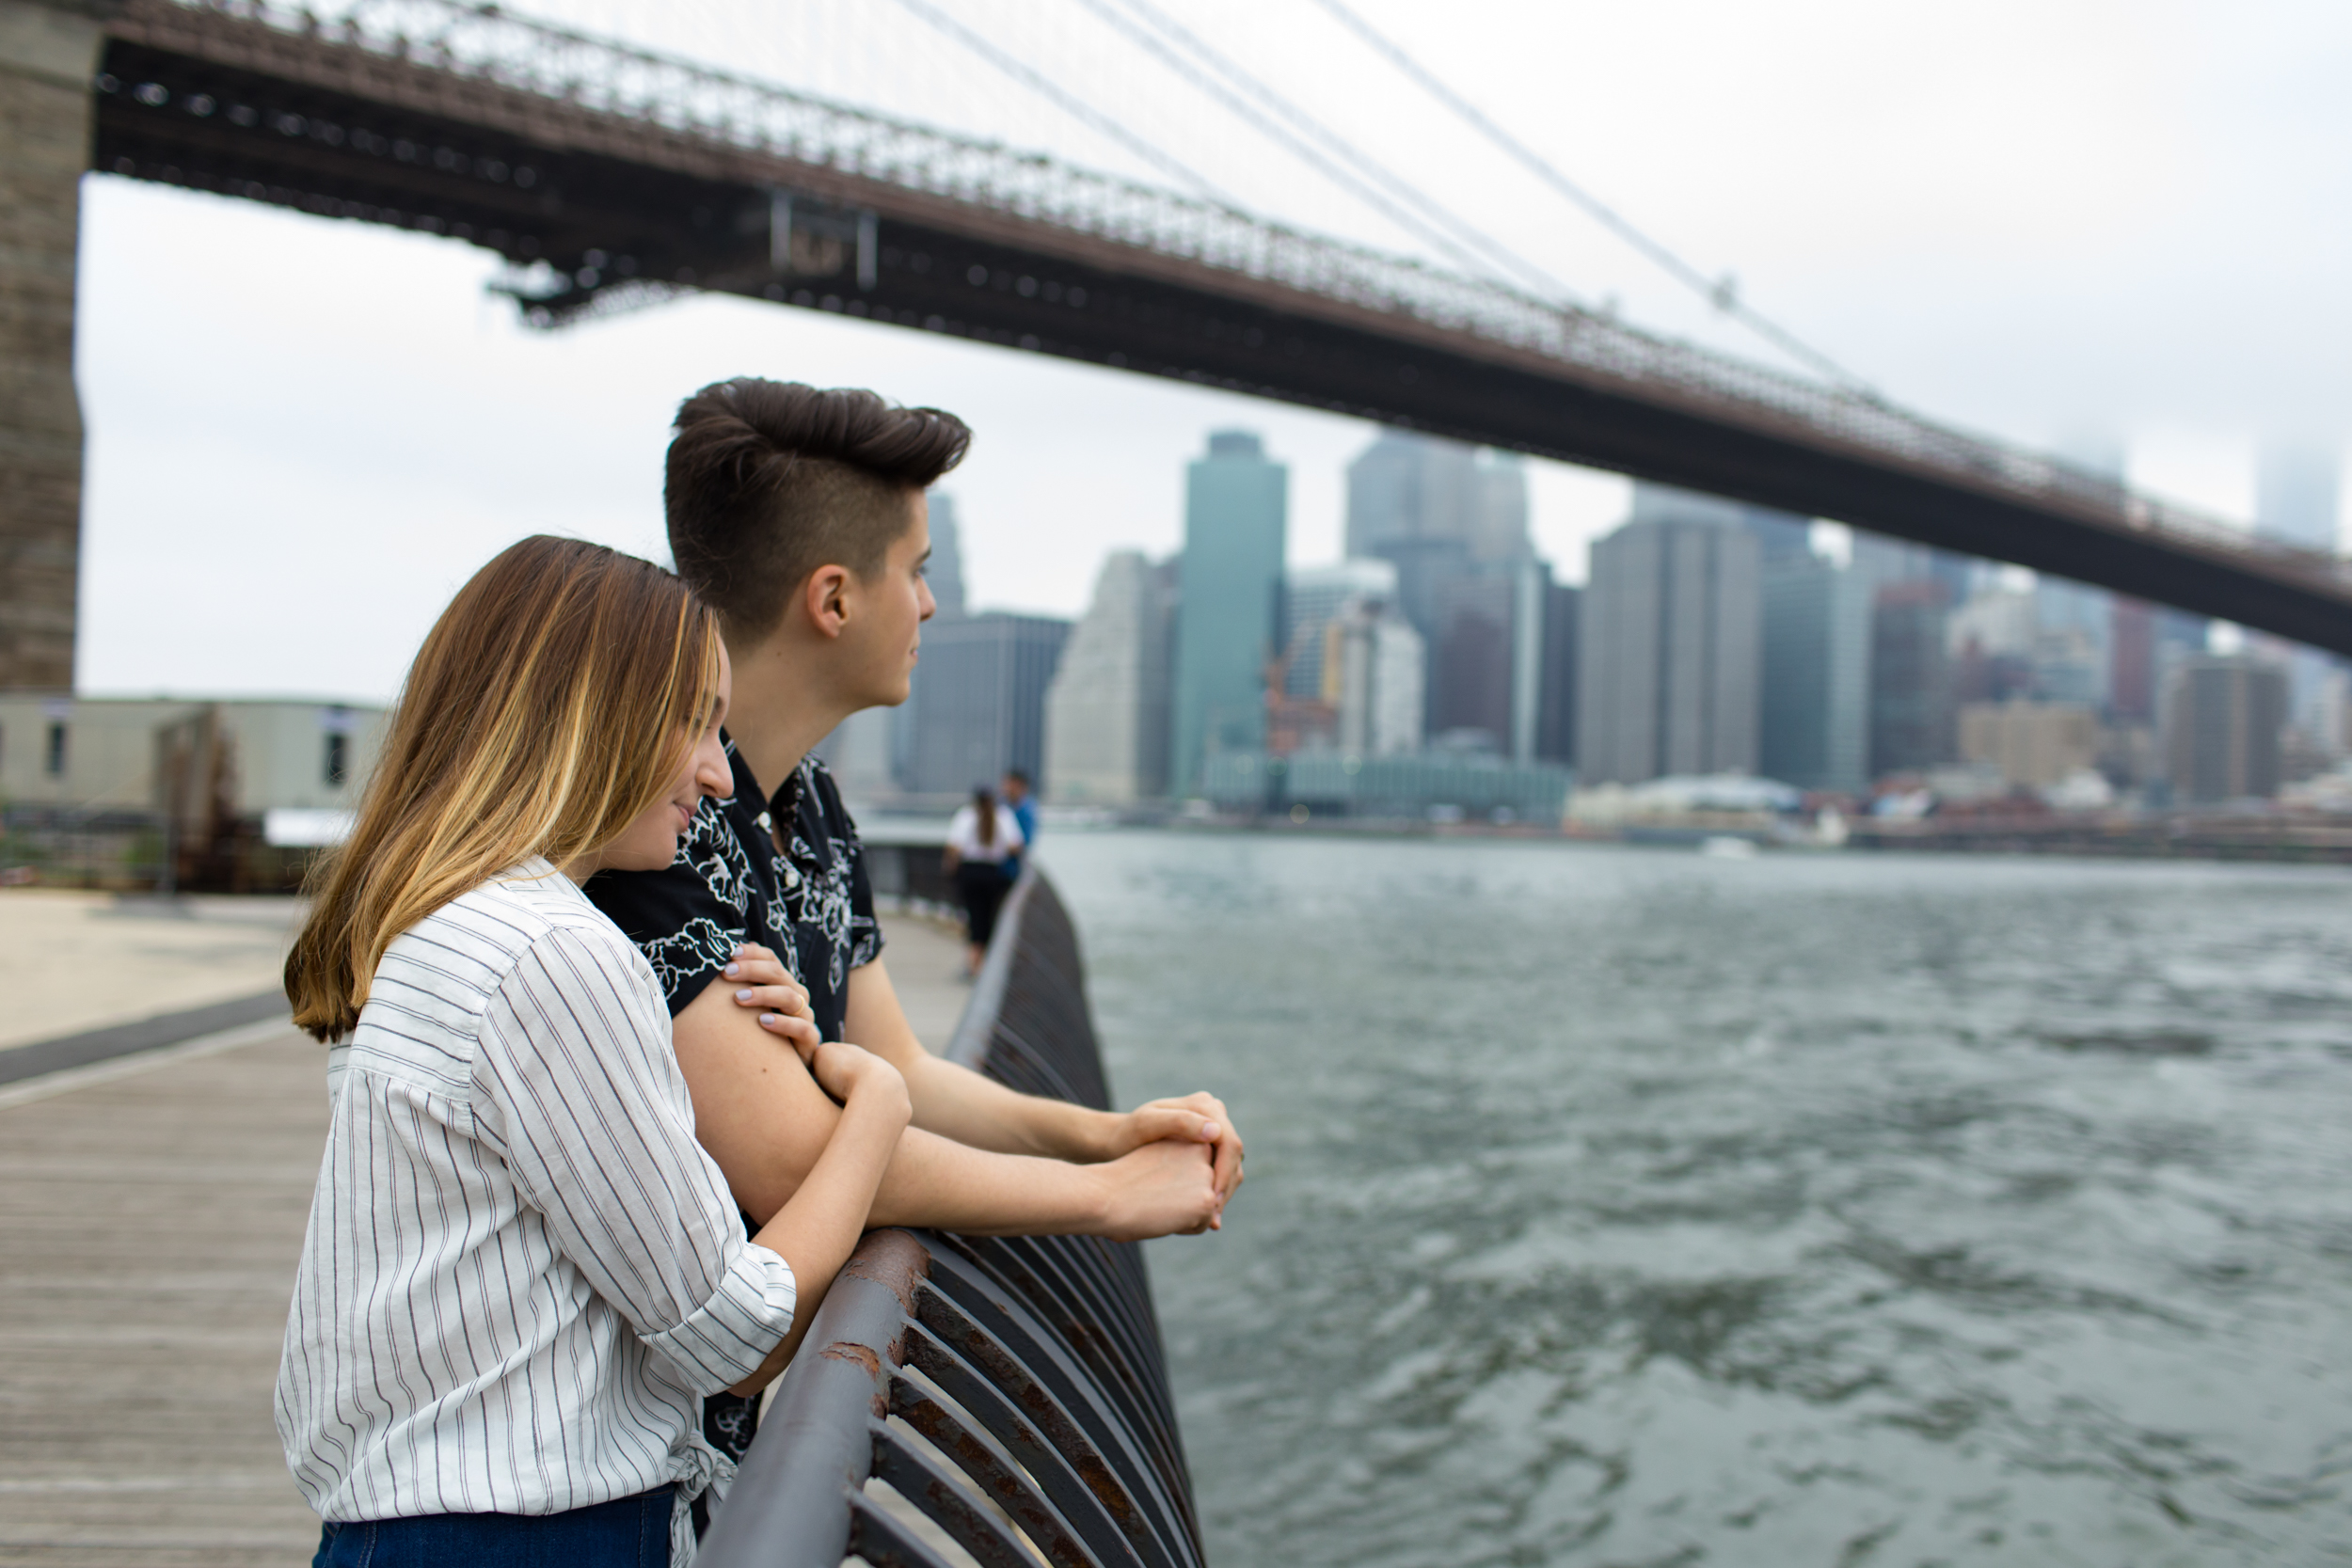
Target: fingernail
[
  {"x": 1212, "y": 1132},
  {"x": 745, "y": 995},
  {"x": 770, "y": 1018},
  {"x": 733, "y": 970}
]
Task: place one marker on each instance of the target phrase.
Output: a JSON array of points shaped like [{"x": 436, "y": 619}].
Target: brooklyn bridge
[{"x": 609, "y": 177}]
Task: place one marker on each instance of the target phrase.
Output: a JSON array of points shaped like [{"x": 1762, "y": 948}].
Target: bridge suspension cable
[
  {"x": 1353, "y": 172},
  {"x": 1069, "y": 103},
  {"x": 1719, "y": 293}
]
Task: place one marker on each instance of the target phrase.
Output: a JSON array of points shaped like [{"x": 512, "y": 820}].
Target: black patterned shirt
[{"x": 786, "y": 871}]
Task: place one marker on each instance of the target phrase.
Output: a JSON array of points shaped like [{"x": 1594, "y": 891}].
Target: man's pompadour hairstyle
[{"x": 768, "y": 480}]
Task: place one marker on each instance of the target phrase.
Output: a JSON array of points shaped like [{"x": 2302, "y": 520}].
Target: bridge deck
[{"x": 148, "y": 1226}]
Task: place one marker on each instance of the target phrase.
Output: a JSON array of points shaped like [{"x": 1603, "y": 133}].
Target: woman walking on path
[
  {"x": 982, "y": 840},
  {"x": 522, "y": 1272}
]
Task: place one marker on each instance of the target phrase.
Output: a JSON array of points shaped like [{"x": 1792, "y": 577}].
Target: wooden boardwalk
[{"x": 148, "y": 1230}]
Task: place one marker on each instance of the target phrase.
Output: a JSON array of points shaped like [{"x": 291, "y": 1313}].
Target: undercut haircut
[{"x": 768, "y": 481}]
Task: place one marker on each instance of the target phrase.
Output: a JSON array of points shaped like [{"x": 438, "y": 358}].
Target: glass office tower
[{"x": 1236, "y": 515}]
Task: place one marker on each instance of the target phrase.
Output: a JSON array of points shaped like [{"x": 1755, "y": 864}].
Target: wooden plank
[{"x": 149, "y": 1232}]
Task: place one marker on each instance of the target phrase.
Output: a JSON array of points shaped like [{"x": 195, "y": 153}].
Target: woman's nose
[{"x": 711, "y": 773}]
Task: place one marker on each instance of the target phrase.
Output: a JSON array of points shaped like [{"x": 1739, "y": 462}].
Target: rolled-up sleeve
[{"x": 578, "y": 1089}]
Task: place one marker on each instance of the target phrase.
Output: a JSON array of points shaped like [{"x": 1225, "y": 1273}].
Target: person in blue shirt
[{"x": 1017, "y": 800}]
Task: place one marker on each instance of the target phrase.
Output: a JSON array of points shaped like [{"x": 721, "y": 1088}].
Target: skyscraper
[
  {"x": 1236, "y": 506},
  {"x": 1313, "y": 596},
  {"x": 1816, "y": 696},
  {"x": 2074, "y": 643},
  {"x": 1106, "y": 716},
  {"x": 979, "y": 705},
  {"x": 1670, "y": 641},
  {"x": 1371, "y": 680},
  {"x": 2222, "y": 721},
  {"x": 1912, "y": 712},
  {"x": 945, "y": 571},
  {"x": 1453, "y": 521},
  {"x": 1555, "y": 699}
]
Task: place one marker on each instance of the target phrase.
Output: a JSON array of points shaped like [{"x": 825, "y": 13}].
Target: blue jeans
[{"x": 626, "y": 1532}]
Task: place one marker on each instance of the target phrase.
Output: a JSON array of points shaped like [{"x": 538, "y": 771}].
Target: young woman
[
  {"x": 983, "y": 841},
  {"x": 522, "y": 1271}
]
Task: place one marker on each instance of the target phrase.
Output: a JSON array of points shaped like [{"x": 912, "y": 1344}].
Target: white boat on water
[{"x": 1723, "y": 846}]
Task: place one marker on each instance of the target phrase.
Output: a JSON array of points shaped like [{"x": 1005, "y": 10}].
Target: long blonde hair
[{"x": 553, "y": 701}]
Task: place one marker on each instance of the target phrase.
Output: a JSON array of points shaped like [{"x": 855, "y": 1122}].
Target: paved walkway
[
  {"x": 150, "y": 1214},
  {"x": 70, "y": 961}
]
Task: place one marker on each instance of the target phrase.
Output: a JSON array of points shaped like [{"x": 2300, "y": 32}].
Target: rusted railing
[{"x": 1009, "y": 1394}]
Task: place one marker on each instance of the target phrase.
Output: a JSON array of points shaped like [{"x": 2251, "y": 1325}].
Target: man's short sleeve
[
  {"x": 866, "y": 938},
  {"x": 689, "y": 918}
]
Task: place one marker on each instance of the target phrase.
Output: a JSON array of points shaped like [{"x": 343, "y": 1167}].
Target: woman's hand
[
  {"x": 761, "y": 981},
  {"x": 1197, "y": 1118},
  {"x": 860, "y": 1080}
]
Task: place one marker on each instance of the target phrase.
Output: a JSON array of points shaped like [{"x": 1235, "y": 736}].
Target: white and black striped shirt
[{"x": 522, "y": 1271}]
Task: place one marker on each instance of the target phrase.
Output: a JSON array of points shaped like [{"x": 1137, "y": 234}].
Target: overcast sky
[{"x": 2048, "y": 222}]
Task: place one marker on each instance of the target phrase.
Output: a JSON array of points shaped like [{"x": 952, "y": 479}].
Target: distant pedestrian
[
  {"x": 1015, "y": 790},
  {"x": 982, "y": 841}
]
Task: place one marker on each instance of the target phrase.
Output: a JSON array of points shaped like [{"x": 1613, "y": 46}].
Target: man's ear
[{"x": 826, "y": 595}]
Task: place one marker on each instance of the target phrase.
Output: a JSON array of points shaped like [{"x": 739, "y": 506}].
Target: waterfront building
[
  {"x": 1373, "y": 671},
  {"x": 1669, "y": 647},
  {"x": 1885, "y": 562},
  {"x": 1422, "y": 784},
  {"x": 978, "y": 703},
  {"x": 1555, "y": 701},
  {"x": 864, "y": 751},
  {"x": 1814, "y": 726},
  {"x": 1312, "y": 598},
  {"x": 1453, "y": 522},
  {"x": 2032, "y": 745},
  {"x": 2223, "y": 716},
  {"x": 177, "y": 793},
  {"x": 1988, "y": 640},
  {"x": 1106, "y": 712},
  {"x": 1911, "y": 688},
  {"x": 2074, "y": 642},
  {"x": 92, "y": 758},
  {"x": 1236, "y": 505},
  {"x": 2132, "y": 661},
  {"x": 1780, "y": 535},
  {"x": 944, "y": 570}
]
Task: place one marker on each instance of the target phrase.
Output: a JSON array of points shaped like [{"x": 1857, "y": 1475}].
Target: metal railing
[{"x": 1009, "y": 1395}]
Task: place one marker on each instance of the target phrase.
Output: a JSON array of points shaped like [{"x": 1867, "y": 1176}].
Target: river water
[{"x": 1632, "y": 1207}]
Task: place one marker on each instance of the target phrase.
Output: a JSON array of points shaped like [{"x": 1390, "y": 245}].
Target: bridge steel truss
[{"x": 610, "y": 177}]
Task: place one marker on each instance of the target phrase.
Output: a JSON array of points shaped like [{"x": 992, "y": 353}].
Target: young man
[{"x": 800, "y": 516}]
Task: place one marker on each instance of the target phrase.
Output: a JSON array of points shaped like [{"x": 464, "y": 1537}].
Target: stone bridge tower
[{"x": 48, "y": 55}]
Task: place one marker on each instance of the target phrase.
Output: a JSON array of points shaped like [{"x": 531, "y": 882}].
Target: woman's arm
[
  {"x": 576, "y": 1087},
  {"x": 814, "y": 1231}
]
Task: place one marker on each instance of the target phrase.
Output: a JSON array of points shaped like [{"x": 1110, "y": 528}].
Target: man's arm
[
  {"x": 764, "y": 1119},
  {"x": 955, "y": 1103}
]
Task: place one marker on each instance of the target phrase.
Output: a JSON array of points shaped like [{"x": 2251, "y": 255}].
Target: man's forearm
[
  {"x": 937, "y": 1181},
  {"x": 957, "y": 1103},
  {"x": 765, "y": 1121}
]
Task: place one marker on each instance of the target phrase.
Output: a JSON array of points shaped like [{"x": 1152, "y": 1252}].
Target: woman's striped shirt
[{"x": 522, "y": 1271}]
